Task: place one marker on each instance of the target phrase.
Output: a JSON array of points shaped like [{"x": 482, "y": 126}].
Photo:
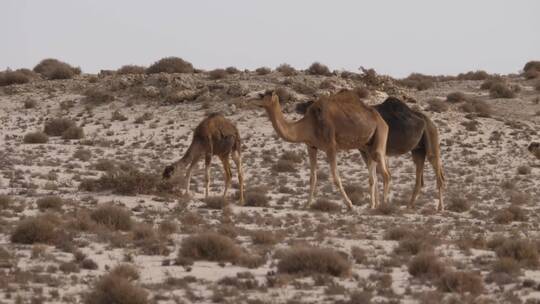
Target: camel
[
  {"x": 534, "y": 149},
  {"x": 412, "y": 131},
  {"x": 337, "y": 122},
  {"x": 215, "y": 135},
  {"x": 409, "y": 131}
]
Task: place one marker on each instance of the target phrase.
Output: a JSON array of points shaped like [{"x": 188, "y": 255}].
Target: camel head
[{"x": 268, "y": 100}]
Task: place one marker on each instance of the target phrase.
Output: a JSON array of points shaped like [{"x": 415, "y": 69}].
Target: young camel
[
  {"x": 409, "y": 131},
  {"x": 412, "y": 131},
  {"x": 337, "y": 122},
  {"x": 215, "y": 135}
]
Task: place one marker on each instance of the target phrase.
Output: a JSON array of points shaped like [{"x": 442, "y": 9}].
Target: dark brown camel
[
  {"x": 215, "y": 135},
  {"x": 409, "y": 131}
]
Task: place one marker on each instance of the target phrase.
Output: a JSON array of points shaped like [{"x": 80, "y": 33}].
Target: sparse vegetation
[
  {"x": 426, "y": 265},
  {"x": 218, "y": 74},
  {"x": 211, "y": 247},
  {"x": 73, "y": 133},
  {"x": 97, "y": 96},
  {"x": 52, "y": 202},
  {"x": 263, "y": 71},
  {"x": 57, "y": 126},
  {"x": 502, "y": 90},
  {"x": 131, "y": 69},
  {"x": 473, "y": 75},
  {"x": 312, "y": 260},
  {"x": 461, "y": 282},
  {"x": 170, "y": 65},
  {"x": 115, "y": 288},
  {"x": 113, "y": 217},
  {"x": 437, "y": 105},
  {"x": 531, "y": 69},
  {"x": 418, "y": 81},
  {"x": 39, "y": 229},
  {"x": 318, "y": 68},
  {"x": 16, "y": 77},
  {"x": 286, "y": 70},
  {"x": 325, "y": 205},
  {"x": 456, "y": 97},
  {"x": 54, "y": 69},
  {"x": 35, "y": 138}
]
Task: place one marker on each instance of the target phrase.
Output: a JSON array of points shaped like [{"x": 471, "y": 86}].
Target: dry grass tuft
[
  {"x": 50, "y": 202},
  {"x": 218, "y": 74},
  {"x": 170, "y": 65},
  {"x": 524, "y": 170},
  {"x": 310, "y": 260},
  {"x": 215, "y": 202},
  {"x": 473, "y": 75},
  {"x": 461, "y": 282},
  {"x": 479, "y": 107},
  {"x": 126, "y": 271},
  {"x": 35, "y": 138},
  {"x": 510, "y": 214},
  {"x": 113, "y": 217},
  {"x": 286, "y": 69},
  {"x": 97, "y": 96},
  {"x": 131, "y": 69},
  {"x": 263, "y": 71},
  {"x": 256, "y": 197},
  {"x": 209, "y": 246},
  {"x": 57, "y": 126},
  {"x": 73, "y": 133},
  {"x": 39, "y": 229},
  {"x": 113, "y": 288},
  {"x": 437, "y": 105},
  {"x": 503, "y": 90},
  {"x": 456, "y": 97},
  {"x": 5, "y": 201},
  {"x": 506, "y": 265},
  {"x": 55, "y": 69},
  {"x": 16, "y": 77},
  {"x": 426, "y": 265},
  {"x": 264, "y": 237},
  {"x": 459, "y": 204},
  {"x": 522, "y": 250},
  {"x": 325, "y": 205},
  {"x": 318, "y": 68},
  {"x": 419, "y": 81}
]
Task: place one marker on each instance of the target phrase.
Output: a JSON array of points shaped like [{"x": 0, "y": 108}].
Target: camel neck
[{"x": 288, "y": 131}]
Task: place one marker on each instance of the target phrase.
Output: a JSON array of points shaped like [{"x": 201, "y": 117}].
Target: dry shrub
[
  {"x": 503, "y": 90},
  {"x": 286, "y": 69},
  {"x": 519, "y": 198},
  {"x": 39, "y": 229},
  {"x": 232, "y": 70},
  {"x": 473, "y": 75},
  {"x": 55, "y": 69},
  {"x": 411, "y": 242},
  {"x": 131, "y": 69},
  {"x": 117, "y": 116},
  {"x": 170, "y": 65},
  {"x": 283, "y": 165},
  {"x": 147, "y": 239},
  {"x": 127, "y": 180},
  {"x": 5, "y": 201},
  {"x": 418, "y": 81},
  {"x": 284, "y": 94},
  {"x": 82, "y": 154},
  {"x": 73, "y": 133},
  {"x": 16, "y": 77},
  {"x": 256, "y": 197},
  {"x": 215, "y": 202},
  {"x": 217, "y": 74},
  {"x": 325, "y": 205},
  {"x": 459, "y": 204},
  {"x": 311, "y": 260},
  {"x": 461, "y": 282},
  {"x": 126, "y": 271},
  {"x": 113, "y": 217},
  {"x": 318, "y": 68},
  {"x": 510, "y": 214},
  {"x": 400, "y": 233},
  {"x": 456, "y": 97},
  {"x": 209, "y": 246},
  {"x": 113, "y": 288},
  {"x": 97, "y": 96},
  {"x": 488, "y": 83},
  {"x": 35, "y": 138},
  {"x": 89, "y": 264},
  {"x": 358, "y": 254},
  {"x": 522, "y": 250},
  {"x": 50, "y": 202},
  {"x": 263, "y": 71},
  {"x": 57, "y": 126},
  {"x": 479, "y": 107},
  {"x": 506, "y": 265},
  {"x": 437, "y": 105},
  {"x": 531, "y": 69},
  {"x": 264, "y": 237},
  {"x": 355, "y": 193},
  {"x": 426, "y": 265},
  {"x": 30, "y": 104},
  {"x": 524, "y": 170}
]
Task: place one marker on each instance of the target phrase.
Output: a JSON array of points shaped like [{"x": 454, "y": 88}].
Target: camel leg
[
  {"x": 367, "y": 161},
  {"x": 313, "y": 174},
  {"x": 207, "y": 163},
  {"x": 227, "y": 175},
  {"x": 419, "y": 157},
  {"x": 372, "y": 175},
  {"x": 188, "y": 173},
  {"x": 379, "y": 155},
  {"x": 335, "y": 175},
  {"x": 237, "y": 158},
  {"x": 437, "y": 166}
]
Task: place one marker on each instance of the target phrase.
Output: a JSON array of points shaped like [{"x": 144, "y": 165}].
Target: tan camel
[
  {"x": 412, "y": 131},
  {"x": 215, "y": 135},
  {"x": 534, "y": 149},
  {"x": 337, "y": 122}
]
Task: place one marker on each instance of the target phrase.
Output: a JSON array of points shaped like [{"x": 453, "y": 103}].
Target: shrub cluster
[
  {"x": 531, "y": 69},
  {"x": 170, "y": 65},
  {"x": 19, "y": 76},
  {"x": 55, "y": 69},
  {"x": 503, "y": 90},
  {"x": 473, "y": 75},
  {"x": 116, "y": 287},
  {"x": 131, "y": 69},
  {"x": 418, "y": 81},
  {"x": 35, "y": 138},
  {"x": 318, "y": 68},
  {"x": 286, "y": 69}
]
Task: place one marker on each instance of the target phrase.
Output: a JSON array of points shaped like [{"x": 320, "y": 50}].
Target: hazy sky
[{"x": 394, "y": 37}]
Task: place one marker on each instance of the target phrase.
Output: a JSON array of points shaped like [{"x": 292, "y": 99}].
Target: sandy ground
[{"x": 480, "y": 169}]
